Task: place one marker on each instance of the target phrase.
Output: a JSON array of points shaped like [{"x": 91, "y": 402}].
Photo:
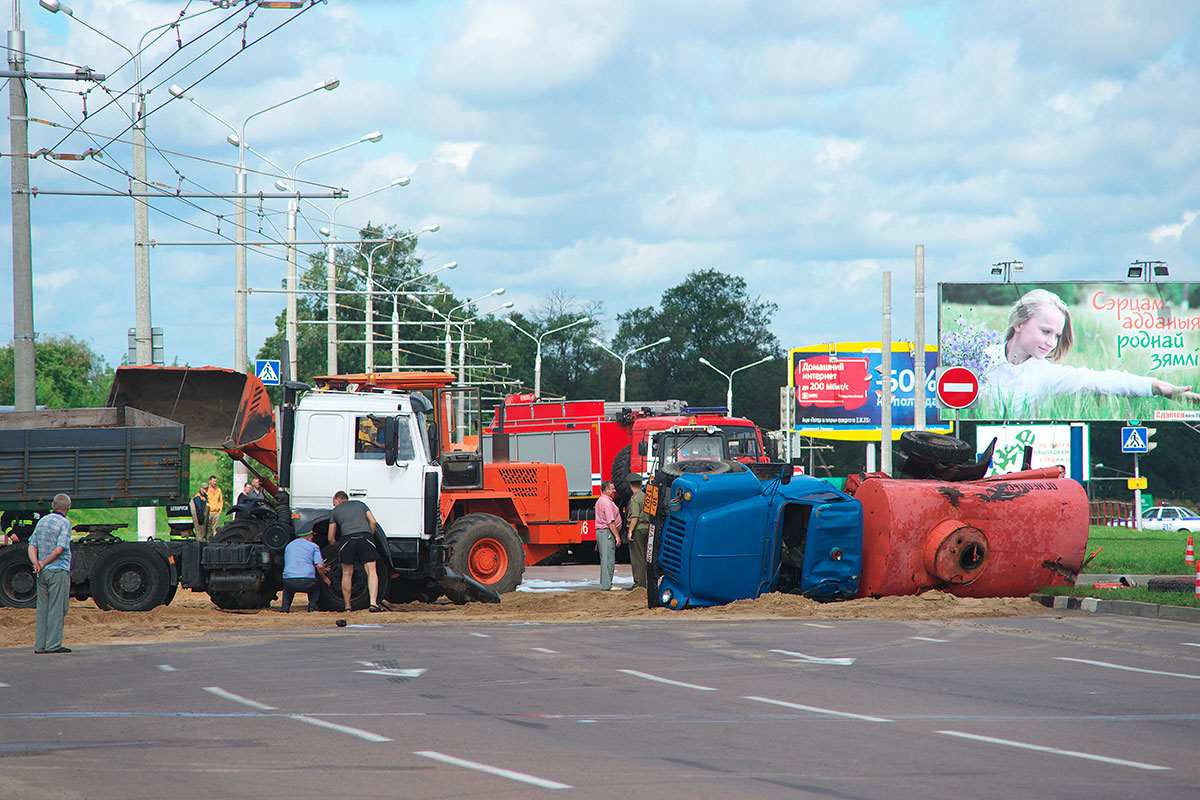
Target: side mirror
[
  {"x": 391, "y": 439},
  {"x": 435, "y": 440}
]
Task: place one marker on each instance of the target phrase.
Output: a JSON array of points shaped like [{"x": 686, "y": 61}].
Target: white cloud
[
  {"x": 837, "y": 153},
  {"x": 1175, "y": 230},
  {"x": 456, "y": 154},
  {"x": 1081, "y": 106}
]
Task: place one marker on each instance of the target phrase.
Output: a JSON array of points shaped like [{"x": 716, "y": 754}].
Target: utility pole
[
  {"x": 885, "y": 433},
  {"x": 919, "y": 342}
]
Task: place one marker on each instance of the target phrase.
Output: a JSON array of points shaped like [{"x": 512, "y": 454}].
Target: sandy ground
[{"x": 192, "y": 614}]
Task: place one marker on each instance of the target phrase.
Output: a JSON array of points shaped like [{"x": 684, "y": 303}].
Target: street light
[
  {"x": 448, "y": 317},
  {"x": 239, "y": 269},
  {"x": 625, "y": 357},
  {"x": 537, "y": 361},
  {"x": 1004, "y": 269},
  {"x": 1148, "y": 270},
  {"x": 729, "y": 377}
]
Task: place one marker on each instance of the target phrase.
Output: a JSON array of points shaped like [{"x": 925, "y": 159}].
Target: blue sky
[{"x": 609, "y": 148}]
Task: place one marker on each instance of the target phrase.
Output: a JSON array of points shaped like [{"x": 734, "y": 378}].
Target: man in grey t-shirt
[{"x": 357, "y": 526}]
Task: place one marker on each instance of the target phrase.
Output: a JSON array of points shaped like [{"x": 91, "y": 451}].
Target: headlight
[
  {"x": 665, "y": 597},
  {"x": 836, "y": 554}
]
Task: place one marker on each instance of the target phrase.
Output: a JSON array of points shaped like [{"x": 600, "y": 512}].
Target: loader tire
[
  {"x": 18, "y": 588},
  {"x": 486, "y": 548},
  {"x": 130, "y": 577},
  {"x": 240, "y": 531},
  {"x": 620, "y": 474},
  {"x": 936, "y": 447}
]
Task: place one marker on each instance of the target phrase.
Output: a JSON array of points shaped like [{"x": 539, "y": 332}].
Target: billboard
[
  {"x": 1052, "y": 446},
  {"x": 1074, "y": 351},
  {"x": 838, "y": 390}
]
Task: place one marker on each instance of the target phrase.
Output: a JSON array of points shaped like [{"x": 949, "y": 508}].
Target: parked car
[{"x": 1171, "y": 518}]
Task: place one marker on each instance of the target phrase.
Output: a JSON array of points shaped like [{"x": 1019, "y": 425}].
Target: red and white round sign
[{"x": 957, "y": 387}]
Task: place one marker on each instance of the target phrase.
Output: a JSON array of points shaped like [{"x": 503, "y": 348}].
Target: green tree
[
  {"x": 711, "y": 315},
  {"x": 69, "y": 374}
]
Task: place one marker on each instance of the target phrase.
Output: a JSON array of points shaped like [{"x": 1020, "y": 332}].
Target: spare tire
[
  {"x": 620, "y": 473},
  {"x": 936, "y": 447},
  {"x": 696, "y": 466}
]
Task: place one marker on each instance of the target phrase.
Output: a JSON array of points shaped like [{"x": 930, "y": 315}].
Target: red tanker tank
[{"x": 997, "y": 537}]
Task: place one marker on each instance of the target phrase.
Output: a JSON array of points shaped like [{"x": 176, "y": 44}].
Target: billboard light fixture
[
  {"x": 1148, "y": 270},
  {"x": 1135, "y": 272}
]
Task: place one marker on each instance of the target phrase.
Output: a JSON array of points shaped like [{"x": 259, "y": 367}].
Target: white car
[{"x": 1170, "y": 518}]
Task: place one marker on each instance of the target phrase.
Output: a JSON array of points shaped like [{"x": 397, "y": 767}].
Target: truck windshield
[
  {"x": 678, "y": 447},
  {"x": 743, "y": 441}
]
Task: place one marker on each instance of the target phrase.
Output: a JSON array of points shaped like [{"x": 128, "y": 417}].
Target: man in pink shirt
[{"x": 608, "y": 534}]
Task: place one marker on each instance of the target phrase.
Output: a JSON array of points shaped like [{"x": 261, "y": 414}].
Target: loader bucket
[{"x": 219, "y": 408}]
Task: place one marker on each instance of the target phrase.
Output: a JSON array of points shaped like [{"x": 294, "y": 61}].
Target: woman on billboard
[{"x": 1024, "y": 369}]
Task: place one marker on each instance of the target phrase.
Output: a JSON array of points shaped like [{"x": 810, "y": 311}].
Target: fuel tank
[{"x": 997, "y": 537}]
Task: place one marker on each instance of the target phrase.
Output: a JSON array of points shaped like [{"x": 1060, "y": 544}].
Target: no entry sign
[{"x": 957, "y": 387}]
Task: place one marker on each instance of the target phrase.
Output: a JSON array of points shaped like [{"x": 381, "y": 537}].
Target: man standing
[
  {"x": 639, "y": 527},
  {"x": 357, "y": 525},
  {"x": 608, "y": 534},
  {"x": 256, "y": 491},
  {"x": 199, "y": 505},
  {"x": 216, "y": 504},
  {"x": 301, "y": 564},
  {"x": 50, "y": 552}
]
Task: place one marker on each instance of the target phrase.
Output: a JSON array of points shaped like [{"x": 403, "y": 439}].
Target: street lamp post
[
  {"x": 537, "y": 361},
  {"x": 394, "y": 292},
  {"x": 729, "y": 377},
  {"x": 625, "y": 357},
  {"x": 447, "y": 317}
]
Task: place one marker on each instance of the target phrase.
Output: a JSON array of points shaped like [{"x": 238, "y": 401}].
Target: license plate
[{"x": 651, "y": 505}]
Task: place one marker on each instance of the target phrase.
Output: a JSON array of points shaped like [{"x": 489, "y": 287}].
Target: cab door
[{"x": 395, "y": 494}]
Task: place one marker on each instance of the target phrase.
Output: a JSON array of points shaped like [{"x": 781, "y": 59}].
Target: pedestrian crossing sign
[
  {"x": 267, "y": 371},
  {"x": 1134, "y": 440}
]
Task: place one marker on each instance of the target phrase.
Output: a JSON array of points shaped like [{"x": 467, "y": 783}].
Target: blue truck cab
[{"x": 717, "y": 538}]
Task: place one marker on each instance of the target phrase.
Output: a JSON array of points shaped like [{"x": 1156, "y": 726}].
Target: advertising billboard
[
  {"x": 1074, "y": 351},
  {"x": 1052, "y": 446},
  {"x": 838, "y": 390}
]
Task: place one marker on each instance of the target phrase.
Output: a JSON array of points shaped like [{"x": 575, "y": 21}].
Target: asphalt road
[{"x": 1071, "y": 707}]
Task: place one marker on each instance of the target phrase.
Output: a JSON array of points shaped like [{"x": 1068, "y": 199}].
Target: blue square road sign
[
  {"x": 267, "y": 371},
  {"x": 1134, "y": 440}
]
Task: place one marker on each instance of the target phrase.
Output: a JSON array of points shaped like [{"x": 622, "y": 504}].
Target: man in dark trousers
[
  {"x": 50, "y": 552},
  {"x": 302, "y": 565},
  {"x": 357, "y": 526},
  {"x": 638, "y": 531}
]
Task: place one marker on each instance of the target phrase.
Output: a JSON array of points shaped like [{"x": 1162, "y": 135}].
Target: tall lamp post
[
  {"x": 447, "y": 317},
  {"x": 537, "y": 361},
  {"x": 395, "y": 291},
  {"x": 729, "y": 376},
  {"x": 625, "y": 357},
  {"x": 239, "y": 266}
]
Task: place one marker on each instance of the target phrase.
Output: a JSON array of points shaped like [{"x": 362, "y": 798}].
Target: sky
[{"x": 606, "y": 149}]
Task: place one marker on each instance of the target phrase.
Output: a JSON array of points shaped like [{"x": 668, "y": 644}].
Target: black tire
[
  {"x": 330, "y": 597},
  {"x": 240, "y": 531},
  {"x": 402, "y": 591},
  {"x": 696, "y": 466},
  {"x": 18, "y": 587},
  {"x": 241, "y": 600},
  {"x": 936, "y": 447},
  {"x": 620, "y": 472},
  {"x": 171, "y": 594},
  {"x": 486, "y": 548},
  {"x": 130, "y": 577},
  {"x": 1171, "y": 585}
]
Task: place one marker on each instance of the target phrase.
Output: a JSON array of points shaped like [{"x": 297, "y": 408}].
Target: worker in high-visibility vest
[{"x": 179, "y": 520}]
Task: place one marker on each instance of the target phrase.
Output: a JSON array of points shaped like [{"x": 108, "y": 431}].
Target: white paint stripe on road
[
  {"x": 503, "y": 773},
  {"x": 927, "y": 639},
  {"x": 816, "y": 710},
  {"x": 481, "y": 635},
  {"x": 544, "y": 650},
  {"x": 3, "y": 685},
  {"x": 1054, "y": 750},
  {"x": 838, "y": 662},
  {"x": 1190, "y": 644},
  {"x": 219, "y": 692},
  {"x": 166, "y": 668},
  {"x": 650, "y": 677},
  {"x": 958, "y": 387},
  {"x": 333, "y": 726},
  {"x": 817, "y": 625},
  {"x": 1129, "y": 669}
]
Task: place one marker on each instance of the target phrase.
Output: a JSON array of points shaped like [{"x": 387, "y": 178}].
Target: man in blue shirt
[
  {"x": 50, "y": 552},
  {"x": 301, "y": 563}
]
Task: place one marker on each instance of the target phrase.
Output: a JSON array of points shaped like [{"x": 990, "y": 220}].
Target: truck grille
[
  {"x": 521, "y": 481},
  {"x": 670, "y": 554}
]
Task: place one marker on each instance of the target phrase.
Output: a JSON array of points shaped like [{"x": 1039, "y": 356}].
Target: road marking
[
  {"x": 1190, "y": 644},
  {"x": 927, "y": 639},
  {"x": 166, "y": 668},
  {"x": 1056, "y": 751},
  {"x": 838, "y": 662},
  {"x": 503, "y": 773},
  {"x": 816, "y": 625},
  {"x": 481, "y": 635},
  {"x": 333, "y": 726},
  {"x": 394, "y": 673},
  {"x": 650, "y": 677},
  {"x": 3, "y": 685},
  {"x": 1129, "y": 669},
  {"x": 814, "y": 709},
  {"x": 219, "y": 692},
  {"x": 544, "y": 650}
]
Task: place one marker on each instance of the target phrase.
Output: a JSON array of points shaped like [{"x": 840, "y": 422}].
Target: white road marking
[
  {"x": 481, "y": 635},
  {"x": 333, "y": 726},
  {"x": 816, "y": 625},
  {"x": 1190, "y": 644},
  {"x": 650, "y": 677},
  {"x": 814, "y": 709},
  {"x": 219, "y": 692},
  {"x": 927, "y": 639},
  {"x": 166, "y": 668},
  {"x": 838, "y": 662},
  {"x": 1054, "y": 750},
  {"x": 3, "y": 685},
  {"x": 543, "y": 650},
  {"x": 1129, "y": 669},
  {"x": 394, "y": 673},
  {"x": 503, "y": 773}
]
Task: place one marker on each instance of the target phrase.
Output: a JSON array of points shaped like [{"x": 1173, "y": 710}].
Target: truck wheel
[
  {"x": 487, "y": 549},
  {"x": 620, "y": 472},
  {"x": 696, "y": 466},
  {"x": 402, "y": 591},
  {"x": 240, "y": 531},
  {"x": 130, "y": 577},
  {"x": 330, "y": 598},
  {"x": 936, "y": 446},
  {"x": 242, "y": 600},
  {"x": 18, "y": 588}
]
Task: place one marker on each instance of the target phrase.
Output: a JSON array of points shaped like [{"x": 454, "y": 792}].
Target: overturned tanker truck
[{"x": 722, "y": 532}]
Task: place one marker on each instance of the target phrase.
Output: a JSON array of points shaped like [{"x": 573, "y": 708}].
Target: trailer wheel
[
  {"x": 620, "y": 472},
  {"x": 486, "y": 548},
  {"x": 330, "y": 598},
  {"x": 697, "y": 466},
  {"x": 936, "y": 446},
  {"x": 18, "y": 588},
  {"x": 130, "y": 577}
]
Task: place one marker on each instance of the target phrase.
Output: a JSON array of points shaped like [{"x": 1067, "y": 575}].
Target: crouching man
[{"x": 302, "y": 565}]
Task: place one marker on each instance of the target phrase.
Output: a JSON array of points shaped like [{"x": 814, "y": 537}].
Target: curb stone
[{"x": 1128, "y": 608}]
